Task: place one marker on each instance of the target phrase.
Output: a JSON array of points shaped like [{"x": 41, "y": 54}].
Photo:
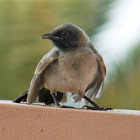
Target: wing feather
[
  {"x": 37, "y": 78},
  {"x": 96, "y": 86},
  {"x": 98, "y": 95},
  {"x": 46, "y": 60}
]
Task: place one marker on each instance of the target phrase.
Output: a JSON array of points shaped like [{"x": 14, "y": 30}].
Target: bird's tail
[{"x": 21, "y": 97}]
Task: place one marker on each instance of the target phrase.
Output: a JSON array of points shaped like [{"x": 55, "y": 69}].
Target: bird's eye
[{"x": 64, "y": 34}]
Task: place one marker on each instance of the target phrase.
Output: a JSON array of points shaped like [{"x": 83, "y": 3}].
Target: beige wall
[{"x": 24, "y": 122}]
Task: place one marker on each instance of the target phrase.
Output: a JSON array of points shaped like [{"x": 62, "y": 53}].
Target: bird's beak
[{"x": 49, "y": 36}]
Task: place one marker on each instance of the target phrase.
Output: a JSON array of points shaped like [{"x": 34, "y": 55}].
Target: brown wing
[
  {"x": 36, "y": 81},
  {"x": 96, "y": 86}
]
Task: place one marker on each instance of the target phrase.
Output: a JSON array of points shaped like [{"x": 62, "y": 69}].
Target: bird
[{"x": 73, "y": 66}]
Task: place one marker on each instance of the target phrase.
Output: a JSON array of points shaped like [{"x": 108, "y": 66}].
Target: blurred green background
[{"x": 23, "y": 22}]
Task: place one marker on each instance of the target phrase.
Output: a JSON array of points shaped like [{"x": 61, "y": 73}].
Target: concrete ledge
[{"x": 24, "y": 122}]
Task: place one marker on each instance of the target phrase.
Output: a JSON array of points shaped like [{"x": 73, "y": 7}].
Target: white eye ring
[{"x": 64, "y": 34}]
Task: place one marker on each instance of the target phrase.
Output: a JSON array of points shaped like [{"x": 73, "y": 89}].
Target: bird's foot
[
  {"x": 64, "y": 106},
  {"x": 99, "y": 108},
  {"x": 106, "y": 108}
]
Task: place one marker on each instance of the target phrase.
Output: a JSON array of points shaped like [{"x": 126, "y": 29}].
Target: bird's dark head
[{"x": 67, "y": 37}]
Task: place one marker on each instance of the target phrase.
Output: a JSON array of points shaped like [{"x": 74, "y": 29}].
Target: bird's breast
[{"x": 73, "y": 71}]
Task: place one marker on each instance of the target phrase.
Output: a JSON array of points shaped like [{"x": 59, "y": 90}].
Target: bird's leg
[
  {"x": 55, "y": 101},
  {"x": 96, "y": 107}
]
